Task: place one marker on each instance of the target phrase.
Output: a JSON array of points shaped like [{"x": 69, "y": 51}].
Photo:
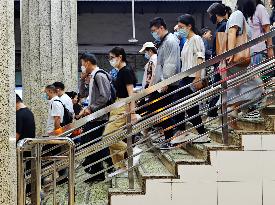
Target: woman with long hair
[{"x": 236, "y": 25}]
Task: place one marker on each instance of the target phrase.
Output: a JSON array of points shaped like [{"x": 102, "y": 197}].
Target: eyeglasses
[{"x": 111, "y": 57}]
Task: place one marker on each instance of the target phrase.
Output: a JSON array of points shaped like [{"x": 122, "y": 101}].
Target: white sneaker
[
  {"x": 117, "y": 172},
  {"x": 180, "y": 138},
  {"x": 204, "y": 139},
  {"x": 136, "y": 150},
  {"x": 253, "y": 115}
]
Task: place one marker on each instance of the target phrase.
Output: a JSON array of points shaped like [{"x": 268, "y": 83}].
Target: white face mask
[
  {"x": 113, "y": 63},
  {"x": 83, "y": 69}
]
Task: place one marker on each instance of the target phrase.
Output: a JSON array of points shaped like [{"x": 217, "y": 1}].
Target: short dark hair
[
  {"x": 217, "y": 9},
  {"x": 158, "y": 22},
  {"x": 154, "y": 50},
  {"x": 51, "y": 88},
  {"x": 72, "y": 94},
  {"x": 228, "y": 10},
  {"x": 188, "y": 19},
  {"x": 89, "y": 57},
  {"x": 204, "y": 30},
  {"x": 59, "y": 85},
  {"x": 247, "y": 7},
  {"x": 18, "y": 99},
  {"x": 117, "y": 51}
]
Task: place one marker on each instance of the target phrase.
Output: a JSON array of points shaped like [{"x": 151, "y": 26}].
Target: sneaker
[
  {"x": 181, "y": 137},
  {"x": 166, "y": 146},
  {"x": 253, "y": 115},
  {"x": 204, "y": 139},
  {"x": 118, "y": 172},
  {"x": 158, "y": 140},
  {"x": 136, "y": 150}
]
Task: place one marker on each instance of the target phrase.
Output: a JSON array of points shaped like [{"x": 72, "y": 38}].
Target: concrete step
[
  {"x": 182, "y": 157},
  {"x": 202, "y": 151},
  {"x": 233, "y": 137}
]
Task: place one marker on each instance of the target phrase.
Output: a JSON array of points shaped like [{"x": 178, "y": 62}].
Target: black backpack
[
  {"x": 113, "y": 89},
  {"x": 67, "y": 117}
]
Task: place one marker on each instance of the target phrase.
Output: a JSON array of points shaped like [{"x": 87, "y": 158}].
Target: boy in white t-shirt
[
  {"x": 56, "y": 109},
  {"x": 65, "y": 99}
]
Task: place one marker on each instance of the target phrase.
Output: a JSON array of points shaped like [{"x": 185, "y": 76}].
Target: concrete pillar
[
  {"x": 230, "y": 3},
  {"x": 49, "y": 51},
  {"x": 8, "y": 177}
]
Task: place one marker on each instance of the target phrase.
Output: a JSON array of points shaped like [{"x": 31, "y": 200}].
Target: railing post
[
  {"x": 38, "y": 173},
  {"x": 224, "y": 107},
  {"x": 21, "y": 200},
  {"x": 130, "y": 151},
  {"x": 71, "y": 182},
  {"x": 33, "y": 174},
  {"x": 54, "y": 181}
]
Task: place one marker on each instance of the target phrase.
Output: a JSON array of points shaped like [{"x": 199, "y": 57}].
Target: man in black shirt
[{"x": 25, "y": 125}]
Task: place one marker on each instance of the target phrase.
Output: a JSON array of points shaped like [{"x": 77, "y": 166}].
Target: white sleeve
[{"x": 56, "y": 109}]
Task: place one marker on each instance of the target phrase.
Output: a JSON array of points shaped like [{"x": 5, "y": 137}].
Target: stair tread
[
  {"x": 258, "y": 120},
  {"x": 152, "y": 166},
  {"x": 123, "y": 185},
  {"x": 181, "y": 156},
  {"x": 213, "y": 145}
]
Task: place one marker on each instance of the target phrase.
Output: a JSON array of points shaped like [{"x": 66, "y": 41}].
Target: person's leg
[
  {"x": 197, "y": 120},
  {"x": 97, "y": 167},
  {"x": 117, "y": 121},
  {"x": 213, "y": 112},
  {"x": 169, "y": 122},
  {"x": 117, "y": 151}
]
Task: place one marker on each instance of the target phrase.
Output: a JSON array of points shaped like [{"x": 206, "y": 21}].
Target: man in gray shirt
[
  {"x": 99, "y": 92},
  {"x": 168, "y": 64}
]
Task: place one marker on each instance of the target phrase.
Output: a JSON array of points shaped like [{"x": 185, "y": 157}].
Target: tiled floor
[{"x": 237, "y": 177}]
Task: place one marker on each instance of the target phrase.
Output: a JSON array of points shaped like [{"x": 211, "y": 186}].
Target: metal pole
[
  {"x": 54, "y": 182},
  {"x": 33, "y": 176},
  {"x": 20, "y": 175},
  {"x": 130, "y": 151},
  {"x": 133, "y": 19},
  {"x": 71, "y": 172},
  {"x": 38, "y": 173},
  {"x": 224, "y": 108}
]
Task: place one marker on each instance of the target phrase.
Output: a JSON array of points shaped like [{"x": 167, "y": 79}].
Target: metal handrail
[
  {"x": 170, "y": 110},
  {"x": 171, "y": 80},
  {"x": 28, "y": 144}
]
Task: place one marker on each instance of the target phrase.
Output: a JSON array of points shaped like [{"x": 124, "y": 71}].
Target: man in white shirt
[
  {"x": 56, "y": 109},
  {"x": 65, "y": 99}
]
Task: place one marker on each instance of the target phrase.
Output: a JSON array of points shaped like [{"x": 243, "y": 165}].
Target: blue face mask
[
  {"x": 182, "y": 33},
  {"x": 146, "y": 56},
  {"x": 45, "y": 96},
  {"x": 155, "y": 36}
]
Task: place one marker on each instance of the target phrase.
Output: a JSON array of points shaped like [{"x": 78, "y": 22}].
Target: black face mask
[{"x": 213, "y": 19}]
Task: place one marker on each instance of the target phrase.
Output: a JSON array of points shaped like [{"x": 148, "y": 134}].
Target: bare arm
[
  {"x": 131, "y": 108},
  {"x": 17, "y": 136},
  {"x": 57, "y": 122},
  {"x": 231, "y": 43},
  {"x": 266, "y": 29}
]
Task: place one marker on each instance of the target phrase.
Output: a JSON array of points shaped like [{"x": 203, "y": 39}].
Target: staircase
[{"x": 159, "y": 169}]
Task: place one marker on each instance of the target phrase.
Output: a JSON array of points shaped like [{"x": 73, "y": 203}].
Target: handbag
[{"x": 240, "y": 59}]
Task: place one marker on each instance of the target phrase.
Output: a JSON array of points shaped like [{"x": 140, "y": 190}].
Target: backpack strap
[
  {"x": 101, "y": 71},
  {"x": 60, "y": 102}
]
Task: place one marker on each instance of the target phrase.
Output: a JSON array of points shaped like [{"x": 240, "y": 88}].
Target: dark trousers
[
  {"x": 98, "y": 155},
  {"x": 190, "y": 112},
  {"x": 213, "y": 101},
  {"x": 160, "y": 104}
]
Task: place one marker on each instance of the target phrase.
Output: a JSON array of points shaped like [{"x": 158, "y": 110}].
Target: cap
[{"x": 147, "y": 45}]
